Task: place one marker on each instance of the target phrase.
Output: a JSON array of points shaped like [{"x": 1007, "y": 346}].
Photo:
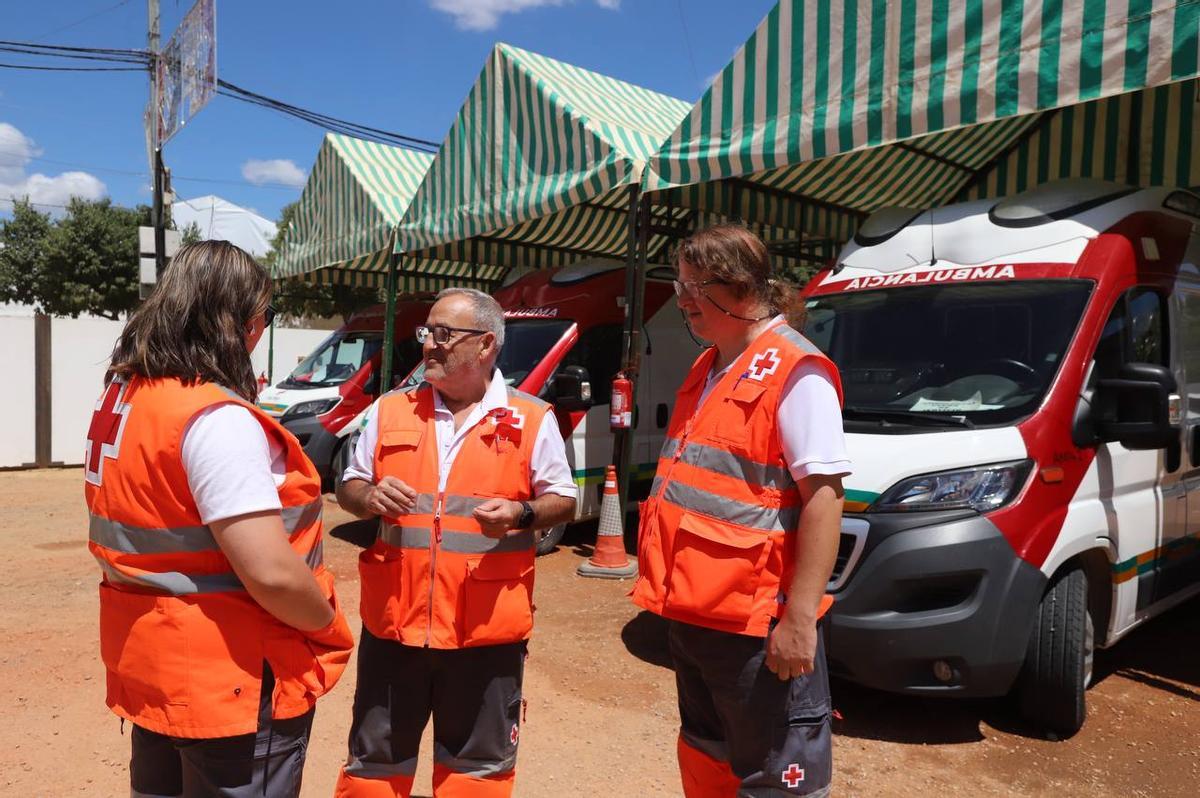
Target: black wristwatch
[{"x": 525, "y": 520}]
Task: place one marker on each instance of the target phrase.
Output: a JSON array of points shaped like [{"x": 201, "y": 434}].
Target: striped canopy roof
[
  {"x": 535, "y": 169},
  {"x": 356, "y": 194},
  {"x": 834, "y": 109}
]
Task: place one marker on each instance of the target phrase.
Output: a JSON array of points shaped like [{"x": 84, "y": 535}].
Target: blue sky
[{"x": 403, "y": 66}]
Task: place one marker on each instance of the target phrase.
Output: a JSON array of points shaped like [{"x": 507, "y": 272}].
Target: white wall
[
  {"x": 80, "y": 349},
  {"x": 16, "y": 404}
]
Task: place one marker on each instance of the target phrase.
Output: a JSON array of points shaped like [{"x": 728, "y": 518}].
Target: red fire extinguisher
[
  {"x": 262, "y": 381},
  {"x": 621, "y": 413}
]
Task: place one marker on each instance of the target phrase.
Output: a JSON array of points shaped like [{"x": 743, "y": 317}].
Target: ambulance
[
  {"x": 562, "y": 342},
  {"x": 1022, "y": 407},
  {"x": 322, "y": 400}
]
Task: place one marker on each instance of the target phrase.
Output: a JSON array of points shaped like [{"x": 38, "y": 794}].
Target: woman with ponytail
[
  {"x": 739, "y": 534},
  {"x": 219, "y": 627}
]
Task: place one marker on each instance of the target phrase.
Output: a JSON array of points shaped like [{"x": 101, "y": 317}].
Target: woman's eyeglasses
[
  {"x": 693, "y": 288},
  {"x": 269, "y": 315},
  {"x": 441, "y": 333}
]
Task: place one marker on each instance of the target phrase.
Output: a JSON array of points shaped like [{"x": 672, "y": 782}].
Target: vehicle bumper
[
  {"x": 932, "y": 588},
  {"x": 319, "y": 443}
]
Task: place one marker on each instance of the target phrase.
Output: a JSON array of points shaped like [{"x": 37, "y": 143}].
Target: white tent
[{"x": 221, "y": 219}]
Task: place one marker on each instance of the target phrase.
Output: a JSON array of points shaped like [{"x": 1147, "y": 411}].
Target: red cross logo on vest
[
  {"x": 104, "y": 433},
  {"x": 514, "y": 735},
  {"x": 508, "y": 417},
  {"x": 764, "y": 364},
  {"x": 793, "y": 775}
]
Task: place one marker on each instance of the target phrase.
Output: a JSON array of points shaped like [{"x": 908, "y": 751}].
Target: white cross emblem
[
  {"x": 514, "y": 735},
  {"x": 764, "y": 364},
  {"x": 508, "y": 416}
]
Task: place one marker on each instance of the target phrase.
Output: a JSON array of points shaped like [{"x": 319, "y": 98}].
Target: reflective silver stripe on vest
[
  {"x": 462, "y": 505},
  {"x": 405, "y": 537},
  {"x": 754, "y": 516},
  {"x": 656, "y": 486},
  {"x": 316, "y": 555},
  {"x": 129, "y": 539},
  {"x": 719, "y": 461},
  {"x": 670, "y": 446},
  {"x": 174, "y": 582},
  {"x": 459, "y": 542},
  {"x": 797, "y": 339}
]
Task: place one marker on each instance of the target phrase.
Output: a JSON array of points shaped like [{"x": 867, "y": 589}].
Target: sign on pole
[{"x": 187, "y": 70}]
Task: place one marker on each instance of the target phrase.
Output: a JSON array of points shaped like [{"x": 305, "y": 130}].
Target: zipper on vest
[{"x": 435, "y": 541}]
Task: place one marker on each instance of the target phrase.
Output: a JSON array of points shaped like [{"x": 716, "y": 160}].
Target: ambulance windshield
[
  {"x": 946, "y": 355},
  {"x": 336, "y": 360},
  {"x": 526, "y": 343}
]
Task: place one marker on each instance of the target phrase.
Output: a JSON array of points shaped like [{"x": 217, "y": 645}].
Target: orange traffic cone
[{"x": 608, "y": 560}]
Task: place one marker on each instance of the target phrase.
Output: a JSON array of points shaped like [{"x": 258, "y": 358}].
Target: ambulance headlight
[
  {"x": 314, "y": 408},
  {"x": 983, "y": 489}
]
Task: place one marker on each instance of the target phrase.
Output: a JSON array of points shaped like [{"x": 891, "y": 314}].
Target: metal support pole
[
  {"x": 635, "y": 281},
  {"x": 389, "y": 326},
  {"x": 271, "y": 354},
  {"x": 157, "y": 216}
]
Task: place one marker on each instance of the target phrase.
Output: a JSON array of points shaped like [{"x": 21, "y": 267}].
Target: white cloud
[
  {"x": 277, "y": 170},
  {"x": 480, "y": 15},
  {"x": 16, "y": 151}
]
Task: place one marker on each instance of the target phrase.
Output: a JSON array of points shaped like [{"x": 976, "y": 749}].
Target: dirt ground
[{"x": 601, "y": 717}]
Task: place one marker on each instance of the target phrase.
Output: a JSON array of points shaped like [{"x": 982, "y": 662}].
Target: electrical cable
[
  {"x": 79, "y": 22},
  {"x": 72, "y": 69}
]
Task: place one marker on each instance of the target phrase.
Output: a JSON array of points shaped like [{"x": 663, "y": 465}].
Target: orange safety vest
[
  {"x": 432, "y": 577},
  {"x": 716, "y": 536},
  {"x": 182, "y": 641}
]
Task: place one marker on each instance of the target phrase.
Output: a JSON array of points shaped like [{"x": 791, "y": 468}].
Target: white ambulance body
[{"x": 1026, "y": 481}]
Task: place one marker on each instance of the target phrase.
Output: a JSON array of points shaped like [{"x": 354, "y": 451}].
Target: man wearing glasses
[{"x": 459, "y": 470}]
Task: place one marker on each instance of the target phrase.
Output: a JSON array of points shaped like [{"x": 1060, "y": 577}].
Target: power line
[{"x": 72, "y": 69}]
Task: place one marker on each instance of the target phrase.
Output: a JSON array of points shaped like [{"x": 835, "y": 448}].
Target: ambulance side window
[
  {"x": 1136, "y": 332},
  {"x": 599, "y": 351}
]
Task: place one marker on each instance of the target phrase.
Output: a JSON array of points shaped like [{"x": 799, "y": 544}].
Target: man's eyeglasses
[
  {"x": 269, "y": 315},
  {"x": 692, "y": 288},
  {"x": 441, "y": 333}
]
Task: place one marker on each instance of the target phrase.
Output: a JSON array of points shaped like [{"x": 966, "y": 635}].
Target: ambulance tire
[
  {"x": 1058, "y": 661},
  {"x": 339, "y": 462},
  {"x": 548, "y": 539}
]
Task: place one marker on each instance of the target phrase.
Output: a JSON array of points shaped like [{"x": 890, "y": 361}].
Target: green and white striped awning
[
  {"x": 356, "y": 194},
  {"x": 834, "y": 109},
  {"x": 535, "y": 170}
]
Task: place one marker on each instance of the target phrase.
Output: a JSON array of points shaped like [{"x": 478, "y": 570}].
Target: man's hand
[
  {"x": 391, "y": 497},
  {"x": 497, "y": 516},
  {"x": 791, "y": 648}
]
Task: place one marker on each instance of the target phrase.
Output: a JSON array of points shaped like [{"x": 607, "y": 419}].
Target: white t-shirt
[
  {"x": 810, "y": 422},
  {"x": 232, "y": 467},
  {"x": 549, "y": 471}
]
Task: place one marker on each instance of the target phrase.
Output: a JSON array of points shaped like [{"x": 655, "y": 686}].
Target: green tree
[
  {"x": 304, "y": 299},
  {"x": 91, "y": 263},
  {"x": 22, "y": 253},
  {"x": 189, "y": 235}
]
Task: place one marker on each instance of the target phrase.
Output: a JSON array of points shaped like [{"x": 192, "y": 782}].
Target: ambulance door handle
[{"x": 662, "y": 415}]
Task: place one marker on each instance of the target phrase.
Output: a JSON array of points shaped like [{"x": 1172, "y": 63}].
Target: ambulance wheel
[
  {"x": 548, "y": 539},
  {"x": 340, "y": 462},
  {"x": 1058, "y": 661}
]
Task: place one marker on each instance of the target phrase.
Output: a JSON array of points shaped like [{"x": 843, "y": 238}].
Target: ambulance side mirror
[
  {"x": 1140, "y": 409},
  {"x": 572, "y": 389}
]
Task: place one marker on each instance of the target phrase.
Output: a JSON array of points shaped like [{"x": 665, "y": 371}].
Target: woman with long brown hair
[
  {"x": 219, "y": 627},
  {"x": 739, "y": 534}
]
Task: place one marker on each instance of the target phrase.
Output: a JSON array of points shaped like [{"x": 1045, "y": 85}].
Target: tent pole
[
  {"x": 389, "y": 325},
  {"x": 271, "y": 354},
  {"x": 635, "y": 283}
]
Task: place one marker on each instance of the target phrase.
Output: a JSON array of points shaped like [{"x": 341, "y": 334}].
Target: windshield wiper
[{"x": 906, "y": 417}]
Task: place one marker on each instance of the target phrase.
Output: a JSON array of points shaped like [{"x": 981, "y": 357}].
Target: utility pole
[{"x": 157, "y": 214}]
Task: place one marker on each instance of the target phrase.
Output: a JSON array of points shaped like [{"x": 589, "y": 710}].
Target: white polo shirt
[{"x": 549, "y": 471}]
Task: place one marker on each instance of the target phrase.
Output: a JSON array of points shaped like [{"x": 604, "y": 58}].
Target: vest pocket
[
  {"x": 144, "y": 645},
  {"x": 715, "y": 568},
  {"x": 497, "y": 600},
  {"x": 647, "y": 588},
  {"x": 383, "y": 591}
]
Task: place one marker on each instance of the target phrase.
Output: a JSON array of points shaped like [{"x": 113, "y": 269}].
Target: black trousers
[
  {"x": 773, "y": 735},
  {"x": 267, "y": 763},
  {"x": 473, "y": 695}
]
